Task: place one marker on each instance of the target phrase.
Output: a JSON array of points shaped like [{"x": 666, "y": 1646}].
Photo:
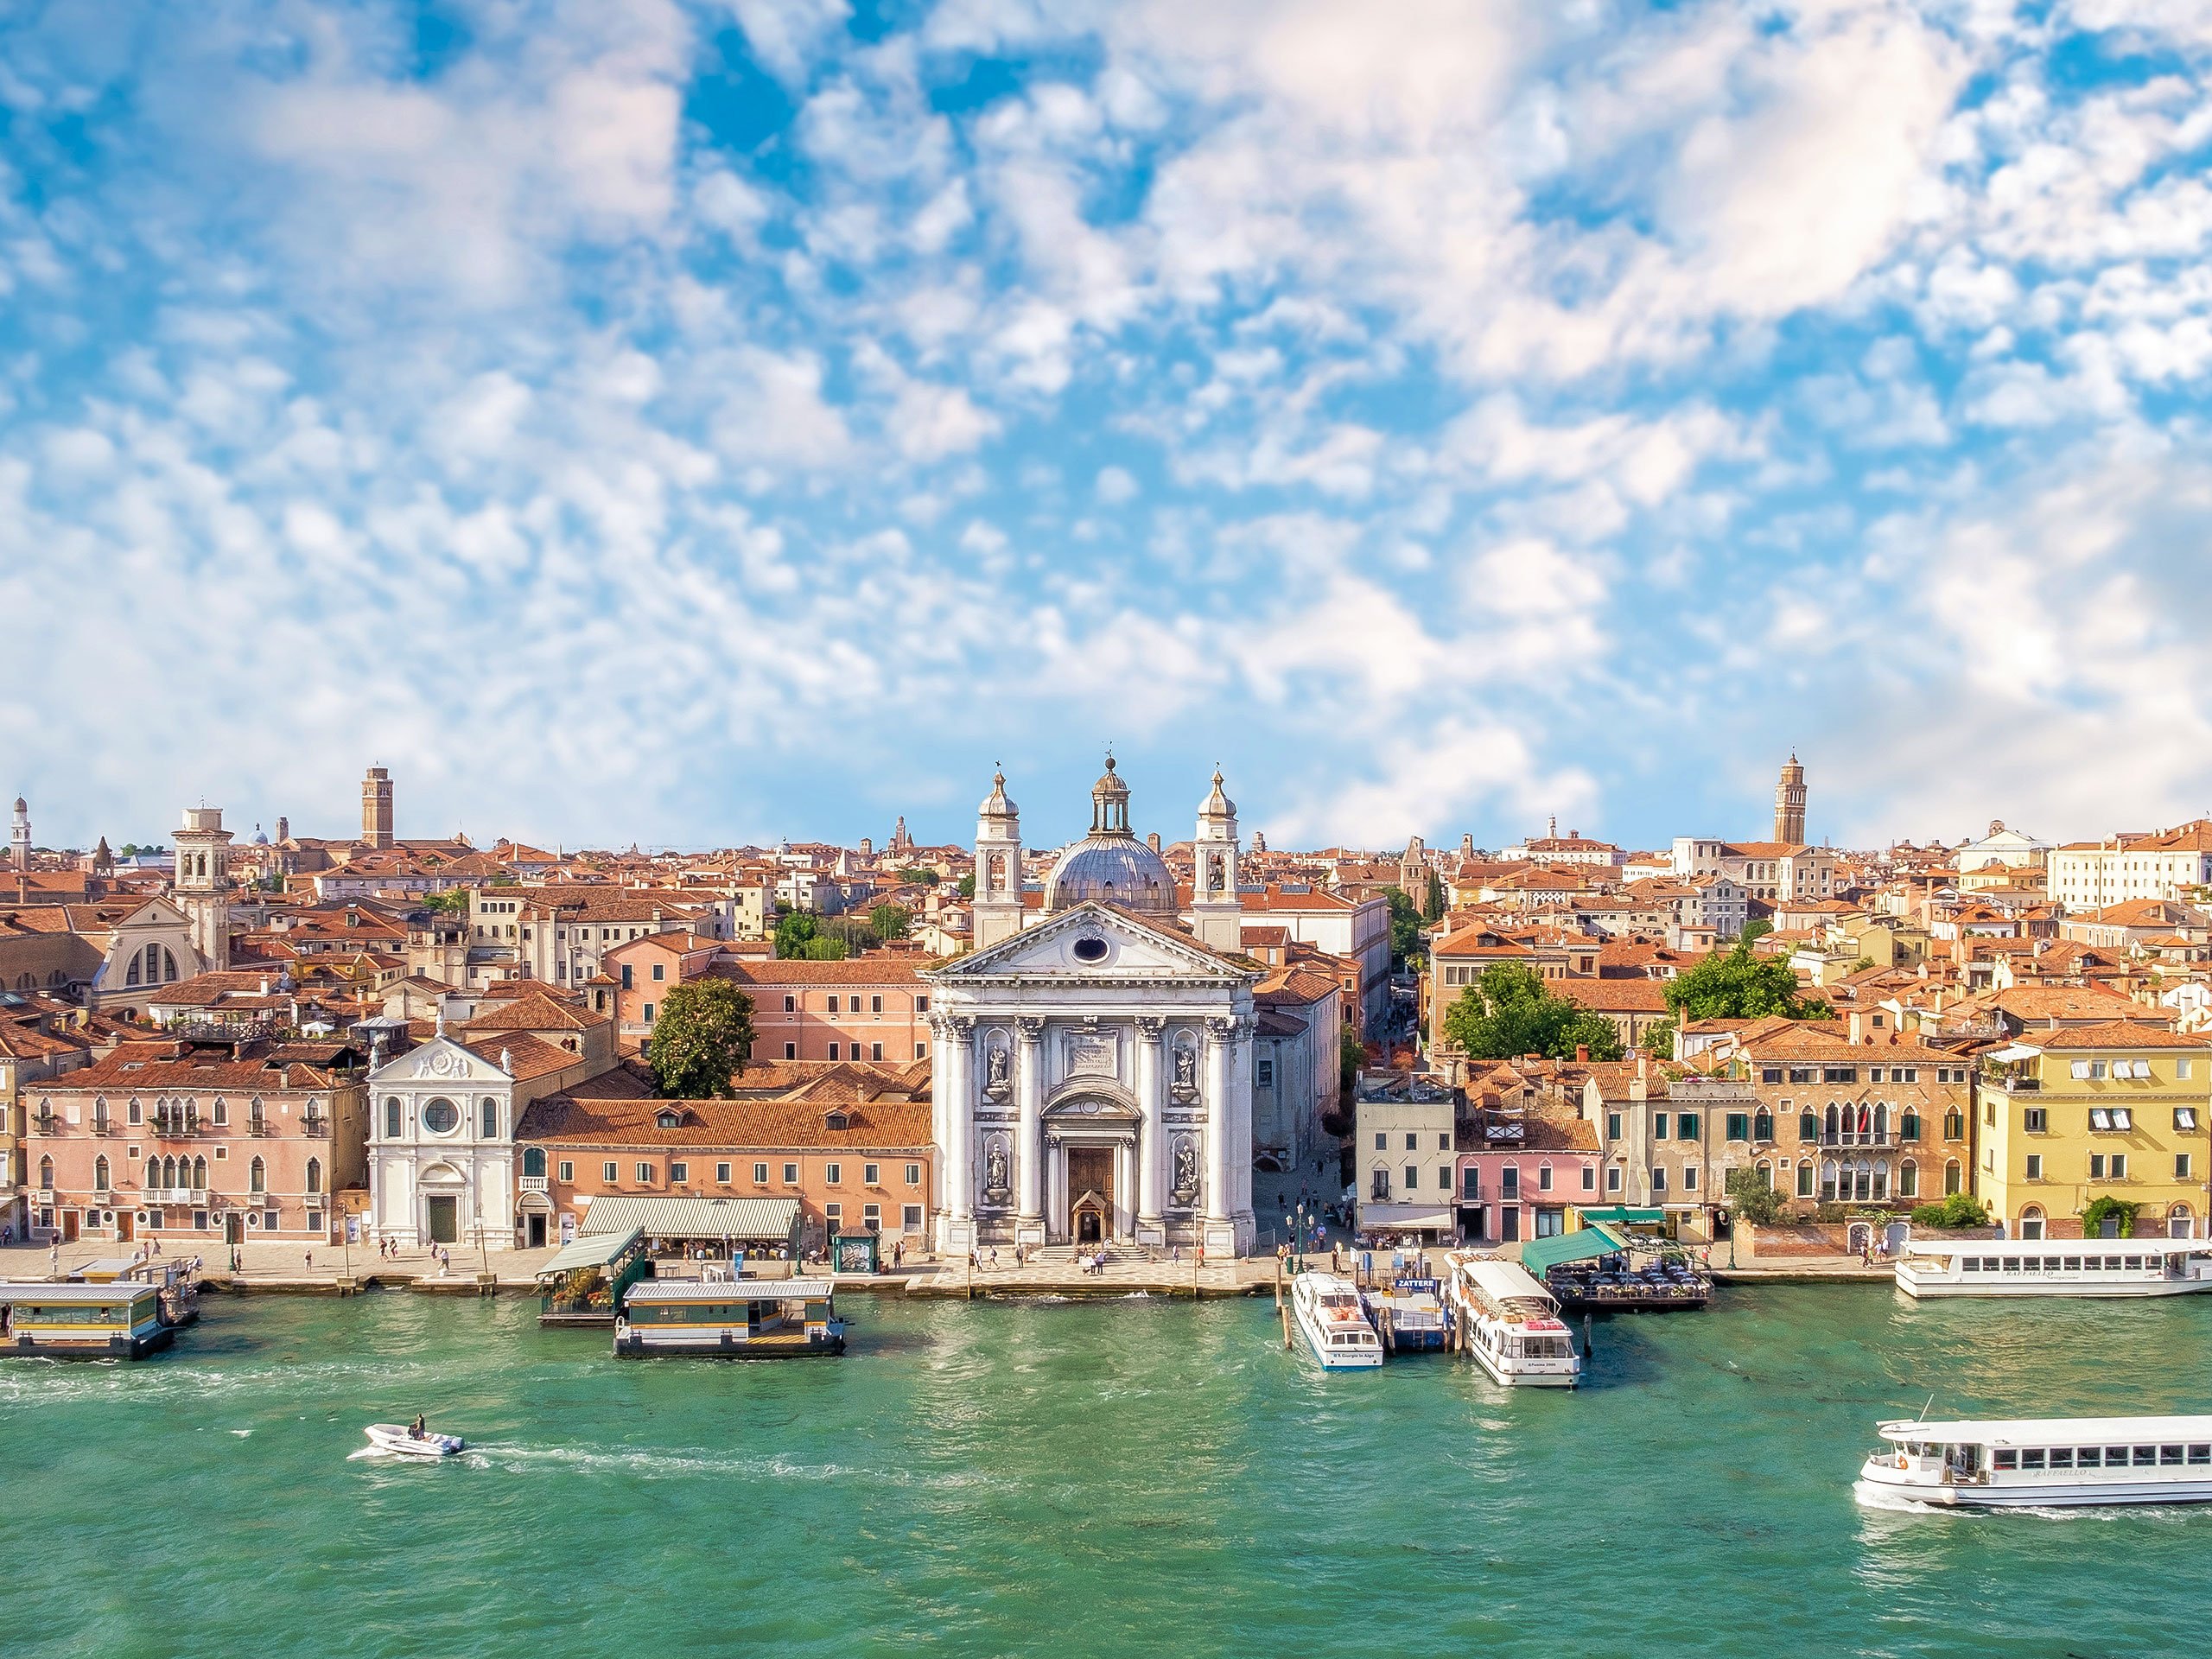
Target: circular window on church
[
  {"x": 441, "y": 1117},
  {"x": 1091, "y": 949}
]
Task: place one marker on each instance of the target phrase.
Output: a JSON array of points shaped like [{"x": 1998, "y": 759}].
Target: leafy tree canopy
[
  {"x": 1959, "y": 1209},
  {"x": 1513, "y": 1011},
  {"x": 966, "y": 886},
  {"x": 1740, "y": 986},
  {"x": 1405, "y": 926},
  {"x": 889, "y": 922},
  {"x": 1755, "y": 930},
  {"x": 703, "y": 1035},
  {"x": 920, "y": 875},
  {"x": 1754, "y": 1199}
]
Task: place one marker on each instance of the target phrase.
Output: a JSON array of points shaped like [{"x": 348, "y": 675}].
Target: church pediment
[
  {"x": 1094, "y": 941},
  {"x": 439, "y": 1060}
]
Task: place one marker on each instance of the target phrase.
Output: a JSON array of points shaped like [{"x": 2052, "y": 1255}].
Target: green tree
[
  {"x": 1351, "y": 1054},
  {"x": 1959, "y": 1209},
  {"x": 795, "y": 930},
  {"x": 1754, "y": 1199},
  {"x": 966, "y": 886},
  {"x": 1658, "y": 1040},
  {"x": 453, "y": 902},
  {"x": 1740, "y": 986},
  {"x": 1405, "y": 927},
  {"x": 918, "y": 875},
  {"x": 889, "y": 922},
  {"x": 702, "y": 1037},
  {"x": 1756, "y": 930},
  {"x": 1432, "y": 901},
  {"x": 1513, "y": 1011}
]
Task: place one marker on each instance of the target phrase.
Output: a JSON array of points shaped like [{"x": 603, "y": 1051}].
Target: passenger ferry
[
  {"x": 1407, "y": 1314},
  {"x": 119, "y": 1320},
  {"x": 1511, "y": 1324},
  {"x": 729, "y": 1318},
  {"x": 2040, "y": 1462},
  {"x": 1330, "y": 1319},
  {"x": 2055, "y": 1267}
]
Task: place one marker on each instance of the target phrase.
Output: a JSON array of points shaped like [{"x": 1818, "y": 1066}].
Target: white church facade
[
  {"x": 1094, "y": 1058},
  {"x": 441, "y": 1161}
]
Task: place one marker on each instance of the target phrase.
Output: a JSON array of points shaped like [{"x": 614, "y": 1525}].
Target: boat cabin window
[
  {"x": 2007, "y": 1458},
  {"x": 2200, "y": 1452},
  {"x": 2134, "y": 1263},
  {"x": 2012, "y": 1264},
  {"x": 1971, "y": 1264},
  {"x": 2145, "y": 1455},
  {"x": 2088, "y": 1457},
  {"x": 2062, "y": 1457},
  {"x": 2031, "y": 1458},
  {"x": 2170, "y": 1455},
  {"x": 2073, "y": 1264}
]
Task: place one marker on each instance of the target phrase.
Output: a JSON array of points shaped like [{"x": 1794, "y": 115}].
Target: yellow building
[{"x": 2115, "y": 1110}]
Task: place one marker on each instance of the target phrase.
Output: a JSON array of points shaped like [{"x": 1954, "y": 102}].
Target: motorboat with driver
[{"x": 413, "y": 1440}]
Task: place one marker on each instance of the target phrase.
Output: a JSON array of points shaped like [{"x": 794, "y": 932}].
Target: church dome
[
  {"x": 1110, "y": 864},
  {"x": 1115, "y": 870}
]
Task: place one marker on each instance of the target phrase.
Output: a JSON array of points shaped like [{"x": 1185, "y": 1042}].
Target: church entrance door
[
  {"x": 1090, "y": 1179},
  {"x": 445, "y": 1218}
]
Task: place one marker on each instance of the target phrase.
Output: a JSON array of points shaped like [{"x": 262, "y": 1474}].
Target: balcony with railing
[
  {"x": 195, "y": 1197},
  {"x": 257, "y": 1124},
  {"x": 315, "y": 1128},
  {"x": 103, "y": 1125},
  {"x": 46, "y": 1123},
  {"x": 531, "y": 1183},
  {"x": 1858, "y": 1137},
  {"x": 173, "y": 1125}
]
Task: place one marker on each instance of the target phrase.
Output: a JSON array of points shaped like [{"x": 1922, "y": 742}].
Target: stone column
[
  {"x": 1240, "y": 1134},
  {"x": 1125, "y": 1170},
  {"x": 959, "y": 1135},
  {"x": 1152, "y": 1130},
  {"x": 1029, "y": 1103},
  {"x": 1220, "y": 1064}
]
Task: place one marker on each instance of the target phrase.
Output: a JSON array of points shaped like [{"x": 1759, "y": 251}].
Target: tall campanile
[
  {"x": 376, "y": 808},
  {"x": 1789, "y": 805}
]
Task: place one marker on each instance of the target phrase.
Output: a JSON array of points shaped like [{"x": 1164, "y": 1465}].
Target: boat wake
[{"x": 1870, "y": 1496}]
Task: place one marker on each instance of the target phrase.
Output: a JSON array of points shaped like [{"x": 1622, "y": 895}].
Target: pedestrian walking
[{"x": 310, "y": 1256}]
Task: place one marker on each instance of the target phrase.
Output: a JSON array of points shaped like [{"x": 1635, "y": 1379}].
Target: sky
[{"x": 692, "y": 424}]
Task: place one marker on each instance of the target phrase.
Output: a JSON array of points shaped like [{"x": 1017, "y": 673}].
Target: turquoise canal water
[{"x": 1132, "y": 1478}]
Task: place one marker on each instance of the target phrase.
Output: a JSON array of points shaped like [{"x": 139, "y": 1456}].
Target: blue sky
[{"x": 695, "y": 423}]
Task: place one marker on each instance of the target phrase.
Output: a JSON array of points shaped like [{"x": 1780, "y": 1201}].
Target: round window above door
[{"x": 441, "y": 1117}]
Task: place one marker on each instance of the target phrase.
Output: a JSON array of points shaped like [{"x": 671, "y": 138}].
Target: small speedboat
[{"x": 403, "y": 1442}]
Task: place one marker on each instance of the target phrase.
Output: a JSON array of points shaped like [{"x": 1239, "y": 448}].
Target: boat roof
[
  {"x": 2040, "y": 1430},
  {"x": 1502, "y": 1278},
  {"x": 773, "y": 1221},
  {"x": 41, "y": 1290},
  {"x": 729, "y": 1290},
  {"x": 2056, "y": 1246},
  {"x": 1325, "y": 1284}
]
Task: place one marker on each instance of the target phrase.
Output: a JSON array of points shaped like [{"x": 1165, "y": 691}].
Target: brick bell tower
[
  {"x": 376, "y": 809},
  {"x": 1790, "y": 804}
]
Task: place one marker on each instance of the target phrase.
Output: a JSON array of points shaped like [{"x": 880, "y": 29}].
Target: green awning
[
  {"x": 1620, "y": 1216},
  {"x": 591, "y": 1250},
  {"x": 1540, "y": 1256}
]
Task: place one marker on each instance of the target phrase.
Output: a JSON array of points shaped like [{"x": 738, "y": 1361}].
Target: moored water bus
[
  {"x": 2040, "y": 1462},
  {"x": 2055, "y": 1267},
  {"x": 122, "y": 1319},
  {"x": 1510, "y": 1324},
  {"x": 1326, "y": 1311},
  {"x": 729, "y": 1318}
]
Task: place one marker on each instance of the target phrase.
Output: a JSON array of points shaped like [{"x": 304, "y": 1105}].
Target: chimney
[{"x": 1582, "y": 1053}]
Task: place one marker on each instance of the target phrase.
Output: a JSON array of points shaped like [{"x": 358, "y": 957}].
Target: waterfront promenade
[{"x": 280, "y": 1268}]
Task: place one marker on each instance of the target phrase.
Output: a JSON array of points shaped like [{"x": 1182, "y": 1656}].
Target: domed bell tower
[
  {"x": 203, "y": 888},
  {"x": 997, "y": 908},
  {"x": 20, "y": 836},
  {"x": 1216, "y": 914}
]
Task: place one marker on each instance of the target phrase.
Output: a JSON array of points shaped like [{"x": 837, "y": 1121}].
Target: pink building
[
  {"x": 198, "y": 1142},
  {"x": 873, "y": 1008},
  {"x": 1518, "y": 1171}
]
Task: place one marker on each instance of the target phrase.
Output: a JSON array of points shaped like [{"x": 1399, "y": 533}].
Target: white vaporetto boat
[
  {"x": 403, "y": 1442},
  {"x": 1511, "y": 1324},
  {"x": 2039, "y": 1462},
  {"x": 2055, "y": 1267},
  {"x": 1329, "y": 1316}
]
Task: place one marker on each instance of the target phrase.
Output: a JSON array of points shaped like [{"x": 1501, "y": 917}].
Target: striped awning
[{"x": 757, "y": 1221}]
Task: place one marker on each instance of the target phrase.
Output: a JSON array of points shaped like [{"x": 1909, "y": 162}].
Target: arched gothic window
[
  {"x": 99, "y": 1173},
  {"x": 314, "y": 1174},
  {"x": 257, "y": 1177}
]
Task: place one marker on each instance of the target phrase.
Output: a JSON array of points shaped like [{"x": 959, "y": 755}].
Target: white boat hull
[
  {"x": 1340, "y": 1359},
  {"x": 2033, "y": 1495},
  {"x": 1923, "y": 1289},
  {"x": 394, "y": 1439}
]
